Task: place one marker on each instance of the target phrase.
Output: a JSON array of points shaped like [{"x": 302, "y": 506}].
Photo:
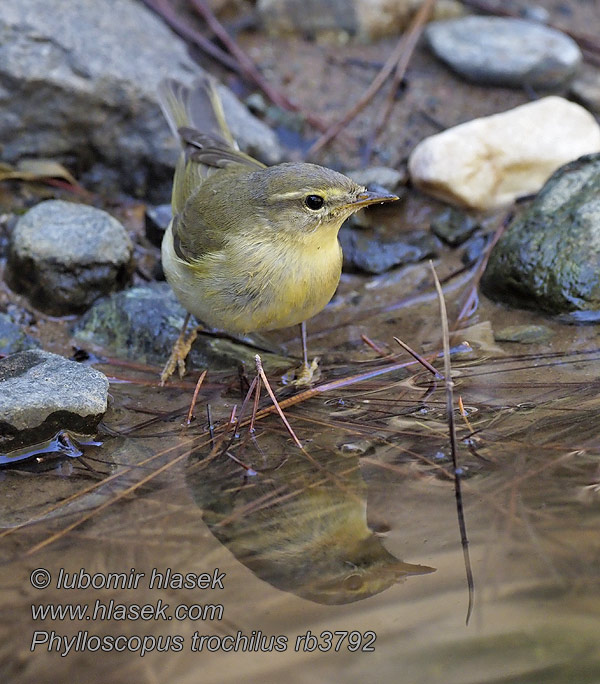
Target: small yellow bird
[{"x": 250, "y": 247}]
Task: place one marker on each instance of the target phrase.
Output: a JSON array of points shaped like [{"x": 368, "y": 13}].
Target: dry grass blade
[{"x": 453, "y": 446}]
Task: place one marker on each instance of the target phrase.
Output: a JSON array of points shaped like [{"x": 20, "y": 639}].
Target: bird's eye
[{"x": 314, "y": 202}]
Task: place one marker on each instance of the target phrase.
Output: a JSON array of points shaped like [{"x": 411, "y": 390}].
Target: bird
[{"x": 250, "y": 247}]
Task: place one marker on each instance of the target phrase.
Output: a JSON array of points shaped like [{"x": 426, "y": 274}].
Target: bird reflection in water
[{"x": 300, "y": 526}]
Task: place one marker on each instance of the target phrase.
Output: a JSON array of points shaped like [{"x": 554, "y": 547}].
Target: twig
[
  {"x": 363, "y": 101},
  {"x": 468, "y": 307},
  {"x": 262, "y": 375},
  {"x": 419, "y": 358},
  {"x": 375, "y": 347},
  {"x": 453, "y": 445},
  {"x": 411, "y": 38},
  {"x": 182, "y": 28},
  {"x": 190, "y": 414},
  {"x": 249, "y": 68}
]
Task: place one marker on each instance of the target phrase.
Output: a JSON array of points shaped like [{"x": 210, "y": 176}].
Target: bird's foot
[
  {"x": 179, "y": 353},
  {"x": 304, "y": 376}
]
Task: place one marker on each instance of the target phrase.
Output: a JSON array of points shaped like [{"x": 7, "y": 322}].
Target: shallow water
[{"x": 347, "y": 550}]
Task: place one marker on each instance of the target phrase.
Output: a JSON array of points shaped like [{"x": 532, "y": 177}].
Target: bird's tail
[{"x": 196, "y": 107}]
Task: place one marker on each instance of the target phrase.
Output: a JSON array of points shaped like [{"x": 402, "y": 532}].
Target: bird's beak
[{"x": 366, "y": 198}]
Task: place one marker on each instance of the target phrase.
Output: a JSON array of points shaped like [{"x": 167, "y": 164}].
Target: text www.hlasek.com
[{"x": 100, "y": 610}]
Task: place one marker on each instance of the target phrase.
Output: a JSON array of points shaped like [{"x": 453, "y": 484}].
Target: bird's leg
[
  {"x": 307, "y": 374},
  {"x": 180, "y": 350}
]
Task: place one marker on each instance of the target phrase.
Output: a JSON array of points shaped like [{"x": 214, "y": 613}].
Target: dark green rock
[
  {"x": 12, "y": 338},
  {"x": 142, "y": 324},
  {"x": 549, "y": 258}
]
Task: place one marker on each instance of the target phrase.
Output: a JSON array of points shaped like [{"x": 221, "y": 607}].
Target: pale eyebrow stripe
[{"x": 289, "y": 195}]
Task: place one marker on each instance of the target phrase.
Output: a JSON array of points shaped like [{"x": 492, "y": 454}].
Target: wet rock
[
  {"x": 585, "y": 88},
  {"x": 536, "y": 13},
  {"x": 12, "y": 337},
  {"x": 157, "y": 222},
  {"x": 524, "y": 334},
  {"x": 367, "y": 251},
  {"x": 63, "y": 256},
  {"x": 142, "y": 324},
  {"x": 42, "y": 393},
  {"x": 491, "y": 161},
  {"x": 81, "y": 79},
  {"x": 453, "y": 226},
  {"x": 505, "y": 52},
  {"x": 473, "y": 249},
  {"x": 549, "y": 258},
  {"x": 366, "y": 19}
]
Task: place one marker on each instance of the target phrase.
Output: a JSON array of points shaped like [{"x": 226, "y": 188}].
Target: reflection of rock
[
  {"x": 301, "y": 528},
  {"x": 42, "y": 393},
  {"x": 549, "y": 258},
  {"x": 491, "y": 161},
  {"x": 63, "y": 256}
]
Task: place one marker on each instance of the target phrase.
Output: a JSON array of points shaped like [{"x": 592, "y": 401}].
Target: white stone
[{"x": 489, "y": 162}]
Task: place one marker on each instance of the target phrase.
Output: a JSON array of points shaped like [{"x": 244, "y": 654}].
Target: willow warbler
[{"x": 250, "y": 247}]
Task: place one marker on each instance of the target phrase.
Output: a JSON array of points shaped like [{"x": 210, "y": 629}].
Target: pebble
[
  {"x": 505, "y": 52},
  {"x": 12, "y": 337},
  {"x": 368, "y": 252},
  {"x": 548, "y": 259},
  {"x": 585, "y": 88},
  {"x": 453, "y": 226},
  {"x": 63, "y": 256},
  {"x": 491, "y": 161},
  {"x": 43, "y": 393}
]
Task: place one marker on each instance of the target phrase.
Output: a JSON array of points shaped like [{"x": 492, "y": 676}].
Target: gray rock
[
  {"x": 80, "y": 78},
  {"x": 368, "y": 252},
  {"x": 507, "y": 52},
  {"x": 12, "y": 337},
  {"x": 453, "y": 226},
  {"x": 524, "y": 334},
  {"x": 585, "y": 88},
  {"x": 142, "y": 323},
  {"x": 63, "y": 256},
  {"x": 42, "y": 393},
  {"x": 549, "y": 258}
]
